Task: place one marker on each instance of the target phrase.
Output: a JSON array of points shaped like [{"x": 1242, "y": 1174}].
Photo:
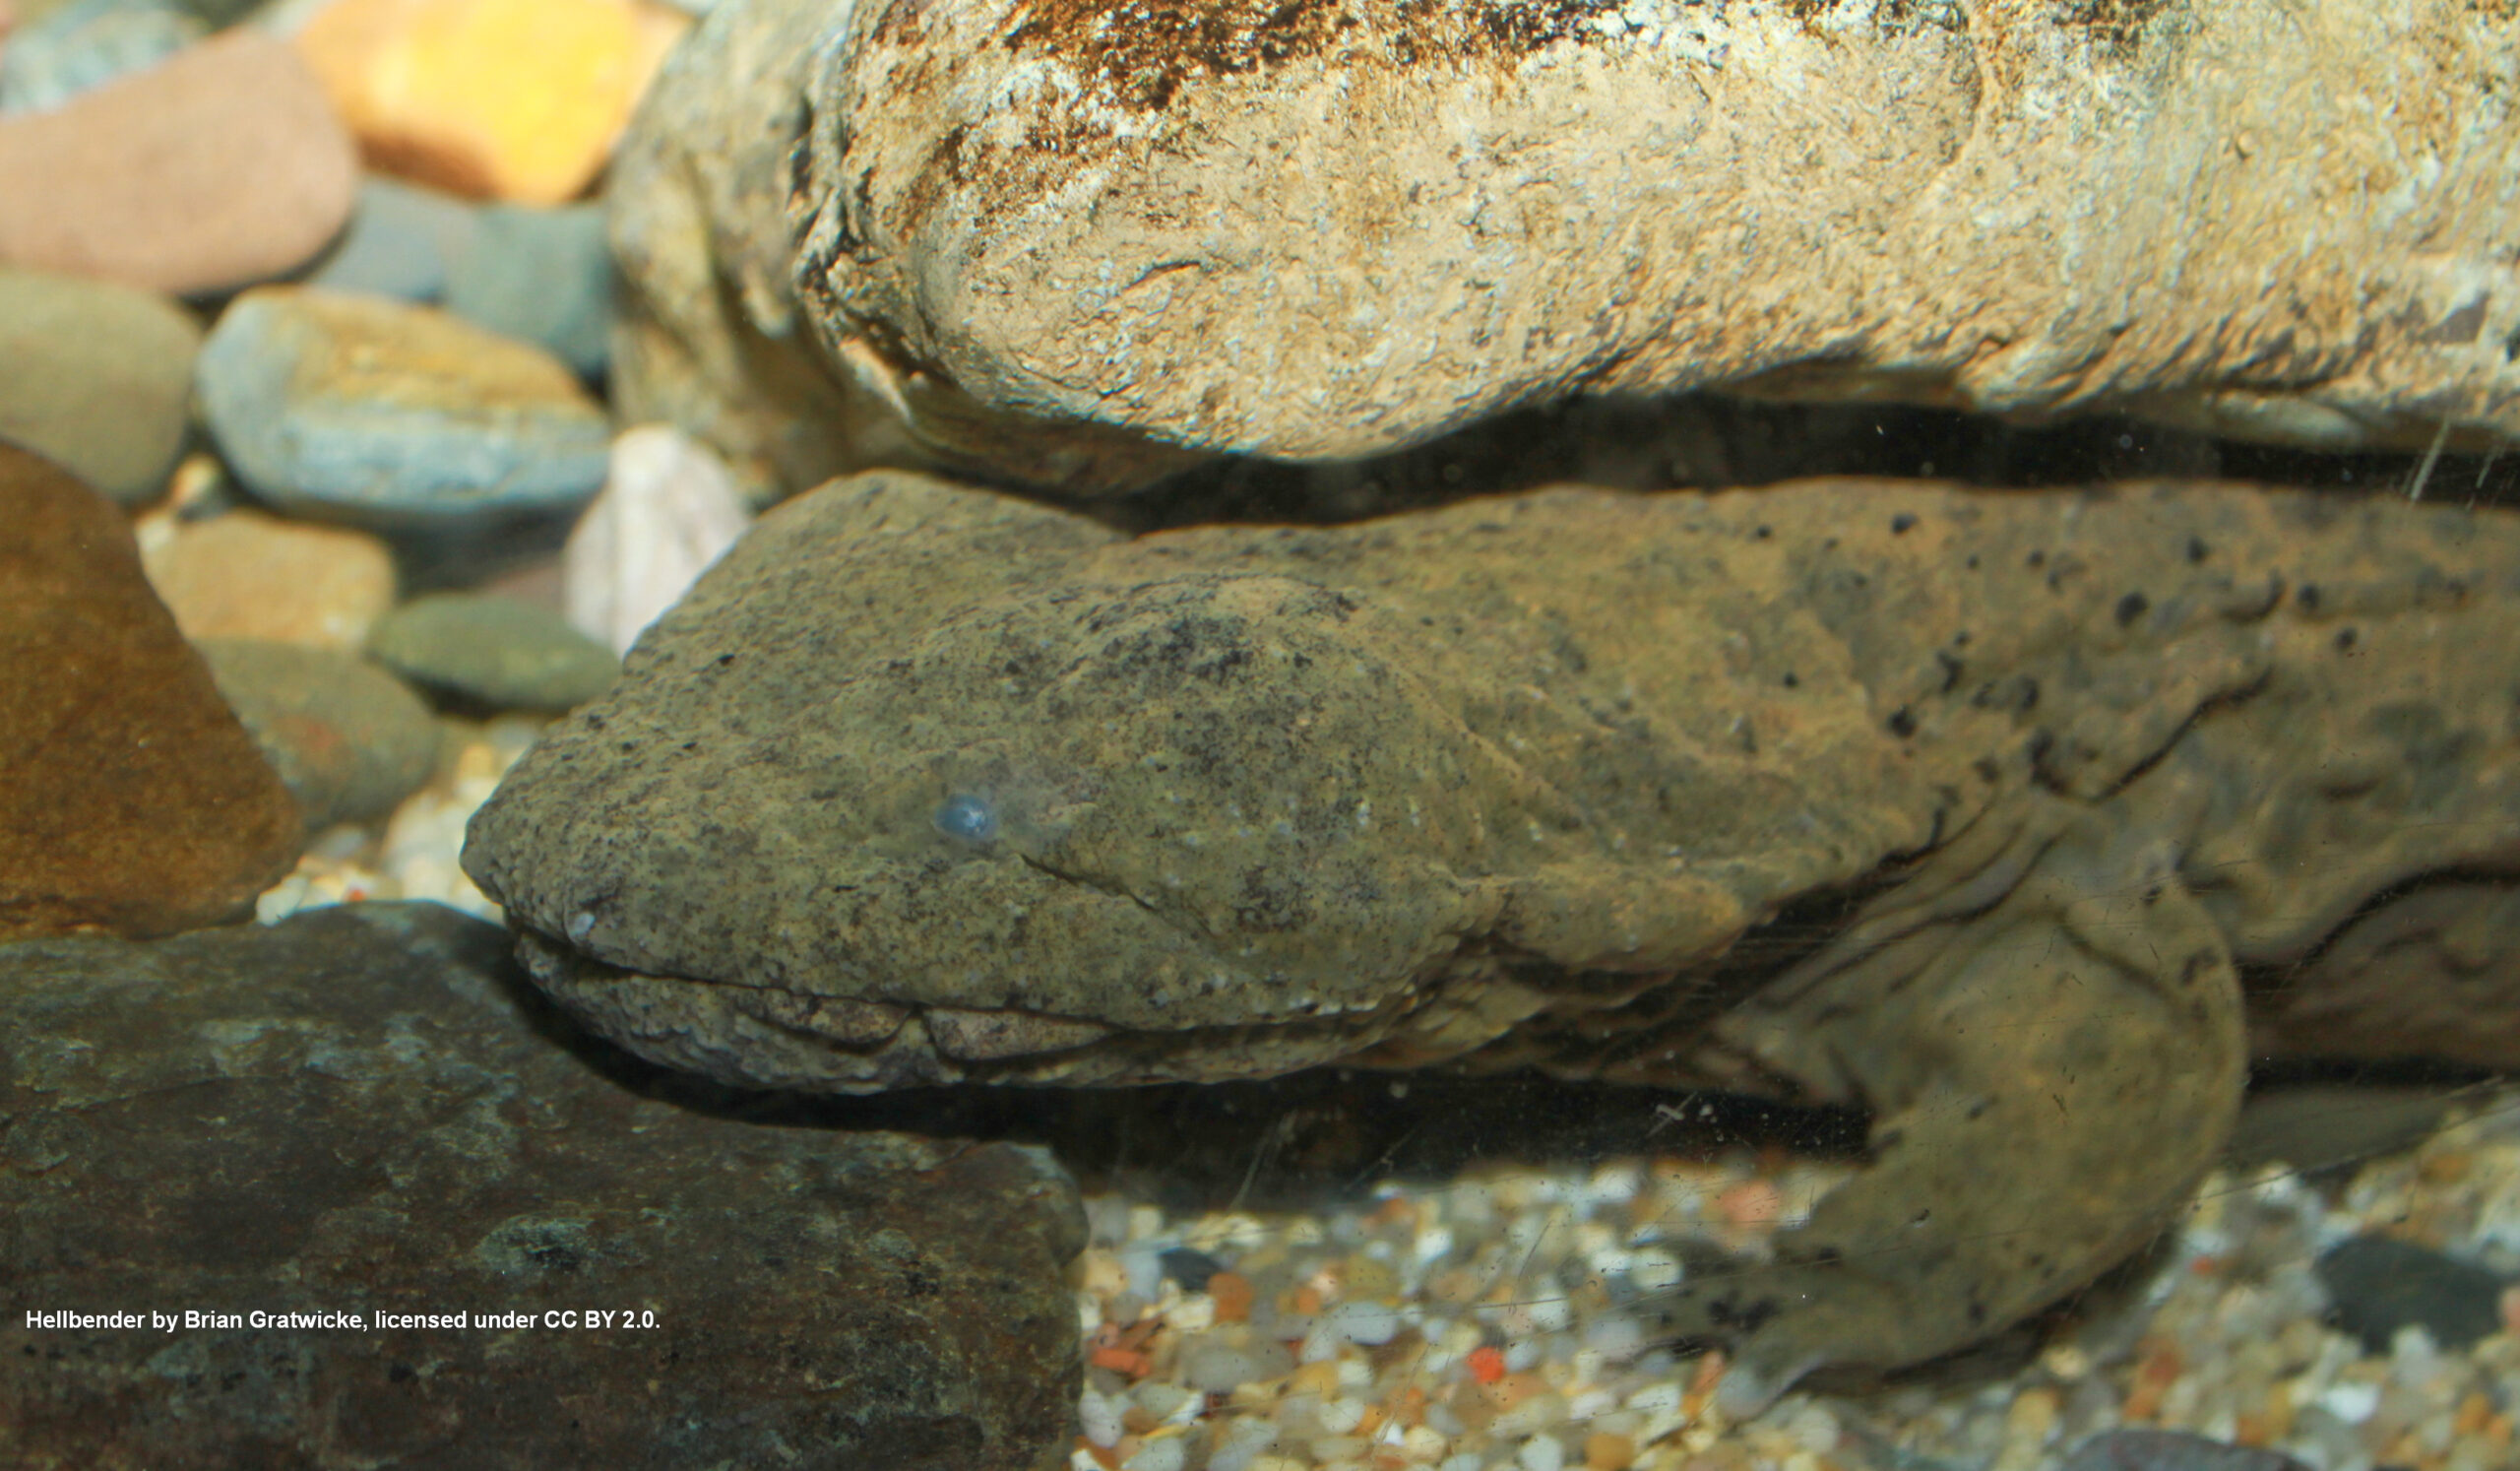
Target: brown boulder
[{"x": 134, "y": 801}]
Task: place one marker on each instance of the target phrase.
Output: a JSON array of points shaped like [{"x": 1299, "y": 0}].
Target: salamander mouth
[{"x": 770, "y": 1036}]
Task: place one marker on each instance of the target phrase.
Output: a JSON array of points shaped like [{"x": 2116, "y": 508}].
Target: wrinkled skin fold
[{"x": 2086, "y": 791}]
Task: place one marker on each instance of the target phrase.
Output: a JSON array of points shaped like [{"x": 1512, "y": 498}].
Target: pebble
[
  {"x": 223, "y": 166},
  {"x": 368, "y": 410},
  {"x": 86, "y": 43},
  {"x": 245, "y": 574},
  {"x": 669, "y": 508},
  {"x": 493, "y": 651},
  {"x": 514, "y": 100},
  {"x": 348, "y": 739},
  {"x": 2381, "y": 1285},
  {"x": 541, "y": 276},
  {"x": 97, "y": 377},
  {"x": 401, "y": 241},
  {"x": 135, "y": 803}
]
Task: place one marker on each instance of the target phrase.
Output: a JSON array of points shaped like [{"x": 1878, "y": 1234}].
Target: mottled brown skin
[{"x": 1976, "y": 809}]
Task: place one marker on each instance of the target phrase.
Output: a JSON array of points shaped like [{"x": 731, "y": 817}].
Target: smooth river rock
[
  {"x": 339, "y": 405},
  {"x": 222, "y": 167},
  {"x": 130, "y": 798},
  {"x": 1323, "y": 230},
  {"x": 358, "y": 1111},
  {"x": 96, "y": 376}
]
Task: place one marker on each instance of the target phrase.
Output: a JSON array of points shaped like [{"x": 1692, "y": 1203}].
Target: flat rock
[
  {"x": 363, "y": 409},
  {"x": 355, "y": 1111},
  {"x": 134, "y": 802},
  {"x": 245, "y": 574},
  {"x": 349, "y": 739},
  {"x": 1323, "y": 232},
  {"x": 2377, "y": 1285},
  {"x": 97, "y": 377},
  {"x": 221, "y": 167},
  {"x": 494, "y": 651}
]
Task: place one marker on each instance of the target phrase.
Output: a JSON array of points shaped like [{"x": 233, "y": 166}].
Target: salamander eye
[{"x": 970, "y": 818}]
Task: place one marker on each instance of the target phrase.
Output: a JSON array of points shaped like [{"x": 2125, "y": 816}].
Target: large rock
[
  {"x": 1323, "y": 230},
  {"x": 355, "y": 1112},
  {"x": 130, "y": 798}
]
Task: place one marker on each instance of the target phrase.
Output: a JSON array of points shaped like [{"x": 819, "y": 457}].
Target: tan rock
[
  {"x": 707, "y": 335},
  {"x": 248, "y": 575},
  {"x": 493, "y": 99},
  {"x": 133, "y": 800},
  {"x": 1322, "y": 231},
  {"x": 221, "y": 167}
]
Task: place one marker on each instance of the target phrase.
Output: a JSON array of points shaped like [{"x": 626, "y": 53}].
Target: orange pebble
[
  {"x": 1106, "y": 1456},
  {"x": 1307, "y": 1300},
  {"x": 1120, "y": 1360},
  {"x": 1318, "y": 1377},
  {"x": 1603, "y": 1452},
  {"x": 2475, "y": 1413},
  {"x": 1751, "y": 1203},
  {"x": 1513, "y": 1389},
  {"x": 1233, "y": 1295},
  {"x": 2511, "y": 1311},
  {"x": 1486, "y": 1365}
]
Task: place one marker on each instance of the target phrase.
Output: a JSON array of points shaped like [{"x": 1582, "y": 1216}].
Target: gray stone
[
  {"x": 348, "y": 739},
  {"x": 543, "y": 275},
  {"x": 2377, "y": 1285},
  {"x": 494, "y": 651},
  {"x": 399, "y": 243},
  {"x": 86, "y": 45},
  {"x": 399, "y": 417},
  {"x": 358, "y": 1111},
  {"x": 96, "y": 376}
]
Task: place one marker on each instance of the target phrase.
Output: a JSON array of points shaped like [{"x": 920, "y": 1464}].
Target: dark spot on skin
[
  {"x": 1761, "y": 533},
  {"x": 2196, "y": 551},
  {"x": 1951, "y": 669},
  {"x": 2130, "y": 607},
  {"x": 400, "y": 1373},
  {"x": 722, "y": 660},
  {"x": 1271, "y": 903},
  {"x": 1734, "y": 1315},
  {"x": 2309, "y": 596},
  {"x": 1902, "y": 722},
  {"x": 2152, "y": 895},
  {"x": 1987, "y": 769},
  {"x": 1902, "y": 524},
  {"x": 2346, "y": 638},
  {"x": 1972, "y": 562},
  {"x": 1793, "y": 680},
  {"x": 2036, "y": 559}
]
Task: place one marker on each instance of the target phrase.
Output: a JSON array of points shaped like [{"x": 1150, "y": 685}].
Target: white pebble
[
  {"x": 667, "y": 511},
  {"x": 2351, "y": 1403},
  {"x": 1541, "y": 1453},
  {"x": 1340, "y": 1416},
  {"x": 1553, "y": 1314},
  {"x": 1243, "y": 1442},
  {"x": 1100, "y": 1417},
  {"x": 1523, "y": 1354},
  {"x": 1167, "y": 1455}
]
